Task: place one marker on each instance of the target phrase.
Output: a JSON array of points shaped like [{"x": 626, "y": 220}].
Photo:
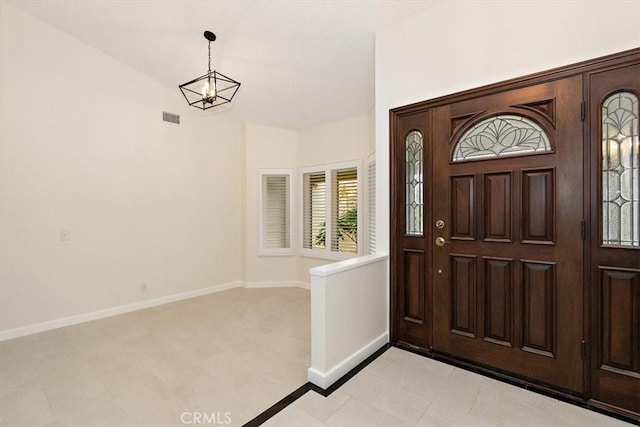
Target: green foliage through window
[{"x": 347, "y": 228}]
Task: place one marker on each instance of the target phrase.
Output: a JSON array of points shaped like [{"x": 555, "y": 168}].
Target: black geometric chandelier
[{"x": 211, "y": 89}]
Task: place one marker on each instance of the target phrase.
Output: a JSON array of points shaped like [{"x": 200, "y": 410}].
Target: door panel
[
  {"x": 539, "y": 290},
  {"x": 463, "y": 295},
  {"x": 615, "y": 260},
  {"x": 620, "y": 321},
  {"x": 497, "y": 207},
  {"x": 511, "y": 293},
  {"x": 413, "y": 287},
  {"x": 498, "y": 303},
  {"x": 538, "y": 225},
  {"x": 462, "y": 201}
]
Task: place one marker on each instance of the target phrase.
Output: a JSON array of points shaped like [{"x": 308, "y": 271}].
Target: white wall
[
  {"x": 175, "y": 207},
  {"x": 343, "y": 140},
  {"x": 83, "y": 148},
  {"x": 341, "y": 340},
  {"x": 268, "y": 147},
  {"x": 458, "y": 45}
]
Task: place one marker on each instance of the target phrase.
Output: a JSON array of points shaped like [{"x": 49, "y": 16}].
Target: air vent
[{"x": 170, "y": 117}]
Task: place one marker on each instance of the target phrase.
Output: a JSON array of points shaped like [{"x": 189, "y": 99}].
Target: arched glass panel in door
[
  {"x": 620, "y": 170},
  {"x": 414, "y": 182},
  {"x": 501, "y": 136}
]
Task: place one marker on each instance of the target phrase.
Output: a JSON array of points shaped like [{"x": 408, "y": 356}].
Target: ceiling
[{"x": 301, "y": 62}]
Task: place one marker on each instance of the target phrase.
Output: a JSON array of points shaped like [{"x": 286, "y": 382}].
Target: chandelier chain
[{"x": 209, "y": 57}]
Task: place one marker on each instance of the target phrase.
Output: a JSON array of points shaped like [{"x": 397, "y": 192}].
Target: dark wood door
[
  {"x": 615, "y": 236},
  {"x": 537, "y": 270},
  {"x": 508, "y": 266},
  {"x": 411, "y": 237}
]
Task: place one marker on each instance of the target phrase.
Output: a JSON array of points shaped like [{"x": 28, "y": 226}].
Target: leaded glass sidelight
[
  {"x": 414, "y": 161},
  {"x": 620, "y": 170},
  {"x": 501, "y": 136}
]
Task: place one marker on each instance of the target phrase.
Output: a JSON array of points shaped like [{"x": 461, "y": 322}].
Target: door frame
[{"x": 582, "y": 68}]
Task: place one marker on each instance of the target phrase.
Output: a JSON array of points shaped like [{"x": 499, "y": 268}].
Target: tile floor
[
  {"x": 403, "y": 389},
  {"x": 238, "y": 351}
]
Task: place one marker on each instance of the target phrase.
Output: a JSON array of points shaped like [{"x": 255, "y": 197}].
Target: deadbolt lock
[{"x": 439, "y": 223}]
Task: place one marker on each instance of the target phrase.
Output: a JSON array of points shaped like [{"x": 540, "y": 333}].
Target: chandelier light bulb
[{"x": 209, "y": 91}]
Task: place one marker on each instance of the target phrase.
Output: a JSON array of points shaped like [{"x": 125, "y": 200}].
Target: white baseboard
[
  {"x": 325, "y": 379},
  {"x": 114, "y": 311},
  {"x": 281, "y": 284}
]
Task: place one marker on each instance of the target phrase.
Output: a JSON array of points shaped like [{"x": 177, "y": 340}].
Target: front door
[
  {"x": 507, "y": 288},
  {"x": 515, "y": 229}
]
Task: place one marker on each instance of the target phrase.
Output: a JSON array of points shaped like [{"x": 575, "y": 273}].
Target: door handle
[{"x": 440, "y": 241}]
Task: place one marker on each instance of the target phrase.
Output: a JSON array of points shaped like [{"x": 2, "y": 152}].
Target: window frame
[
  {"x": 267, "y": 251},
  {"x": 328, "y": 169}
]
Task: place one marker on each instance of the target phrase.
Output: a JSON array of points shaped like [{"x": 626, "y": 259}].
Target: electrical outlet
[
  {"x": 65, "y": 235},
  {"x": 143, "y": 286}
]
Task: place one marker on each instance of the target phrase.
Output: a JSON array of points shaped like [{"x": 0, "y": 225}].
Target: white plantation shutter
[
  {"x": 275, "y": 233},
  {"x": 344, "y": 235},
  {"x": 372, "y": 206},
  {"x": 275, "y": 212},
  {"x": 314, "y": 210}
]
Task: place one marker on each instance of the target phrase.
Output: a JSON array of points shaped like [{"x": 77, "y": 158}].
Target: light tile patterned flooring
[
  {"x": 238, "y": 351},
  {"x": 241, "y": 351},
  {"x": 403, "y": 389}
]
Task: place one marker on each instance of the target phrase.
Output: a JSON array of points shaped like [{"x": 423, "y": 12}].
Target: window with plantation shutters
[
  {"x": 275, "y": 212},
  {"x": 345, "y": 211},
  {"x": 330, "y": 210}
]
